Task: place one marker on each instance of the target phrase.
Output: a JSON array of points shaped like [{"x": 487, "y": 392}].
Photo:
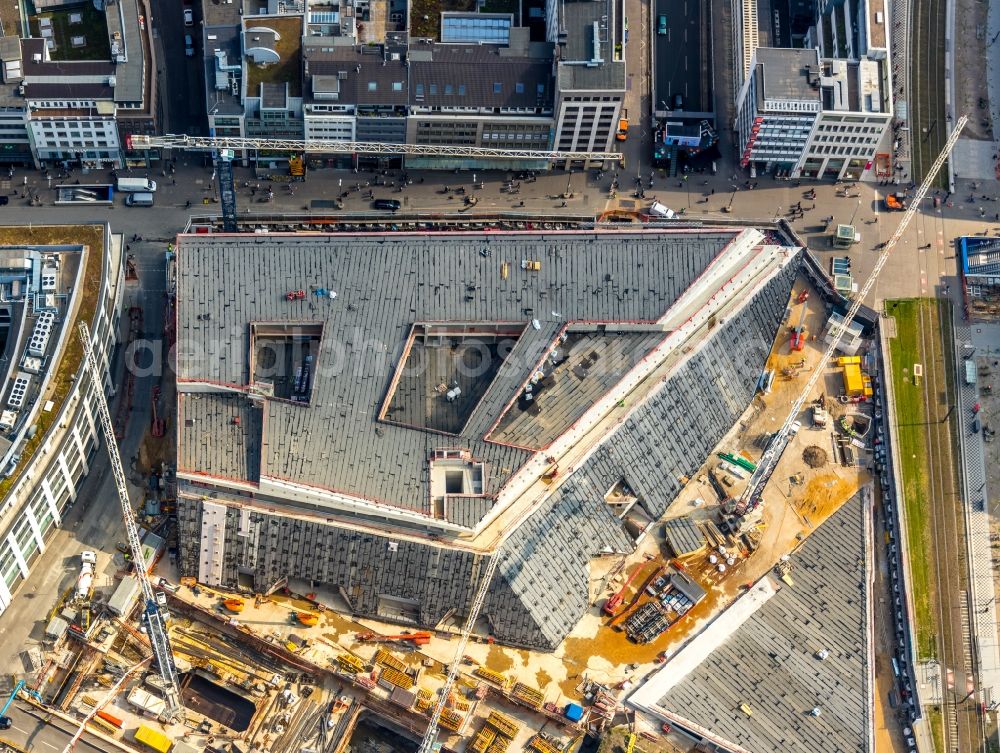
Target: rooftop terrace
[
  {"x": 85, "y": 300},
  {"x": 74, "y": 32},
  {"x": 283, "y": 35}
]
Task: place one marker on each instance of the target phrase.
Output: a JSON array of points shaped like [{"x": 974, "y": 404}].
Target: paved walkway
[{"x": 982, "y": 587}]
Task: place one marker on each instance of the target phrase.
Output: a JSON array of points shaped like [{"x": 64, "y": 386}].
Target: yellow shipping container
[
  {"x": 153, "y": 739},
  {"x": 854, "y": 384}
]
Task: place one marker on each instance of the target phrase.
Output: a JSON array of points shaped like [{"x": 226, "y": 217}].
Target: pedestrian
[{"x": 713, "y": 192}]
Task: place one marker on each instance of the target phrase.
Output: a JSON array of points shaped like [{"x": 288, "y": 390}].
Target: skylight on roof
[{"x": 480, "y": 28}]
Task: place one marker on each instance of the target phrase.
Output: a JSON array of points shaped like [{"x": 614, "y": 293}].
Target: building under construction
[{"x": 379, "y": 414}]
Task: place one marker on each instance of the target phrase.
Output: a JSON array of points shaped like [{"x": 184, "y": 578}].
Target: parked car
[
  {"x": 188, "y": 46},
  {"x": 188, "y": 17},
  {"x": 4, "y": 201},
  {"x": 390, "y": 205}
]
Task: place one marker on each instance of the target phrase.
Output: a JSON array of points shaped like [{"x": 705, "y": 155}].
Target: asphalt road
[
  {"x": 678, "y": 56},
  {"x": 31, "y": 731},
  {"x": 183, "y": 90},
  {"x": 94, "y": 520}
]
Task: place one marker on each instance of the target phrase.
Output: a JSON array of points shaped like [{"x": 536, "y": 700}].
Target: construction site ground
[{"x": 797, "y": 500}]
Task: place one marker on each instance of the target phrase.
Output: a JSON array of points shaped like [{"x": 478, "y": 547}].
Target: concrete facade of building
[
  {"x": 818, "y": 111},
  {"x": 502, "y": 86},
  {"x": 43, "y": 479},
  {"x": 57, "y": 111}
]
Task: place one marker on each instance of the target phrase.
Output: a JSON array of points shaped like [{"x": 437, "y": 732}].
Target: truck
[
  {"x": 661, "y": 210},
  {"x": 622, "y": 133},
  {"x": 134, "y": 185},
  {"x": 86, "y": 578},
  {"x": 895, "y": 202}
]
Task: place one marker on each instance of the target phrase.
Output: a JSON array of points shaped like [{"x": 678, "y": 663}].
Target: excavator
[
  {"x": 417, "y": 639},
  {"x": 612, "y": 604}
]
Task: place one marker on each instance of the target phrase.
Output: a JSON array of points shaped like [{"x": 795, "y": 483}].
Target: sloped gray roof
[
  {"x": 540, "y": 589},
  {"x": 383, "y": 285},
  {"x": 367, "y": 75},
  {"x": 544, "y": 566},
  {"x": 480, "y": 76},
  {"x": 770, "y": 662},
  {"x": 224, "y": 434},
  {"x": 676, "y": 429}
]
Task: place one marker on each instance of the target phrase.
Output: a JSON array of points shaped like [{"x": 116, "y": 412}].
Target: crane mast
[
  {"x": 769, "y": 460},
  {"x": 335, "y": 146},
  {"x": 155, "y": 625},
  {"x": 430, "y": 736},
  {"x": 112, "y": 692}
]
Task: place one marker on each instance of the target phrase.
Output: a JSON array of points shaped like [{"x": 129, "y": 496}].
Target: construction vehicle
[
  {"x": 152, "y": 616},
  {"x": 4, "y": 719},
  {"x": 85, "y": 580},
  {"x": 750, "y": 499},
  {"x": 157, "y": 424},
  {"x": 417, "y": 639},
  {"x": 307, "y": 618},
  {"x": 798, "y": 339},
  {"x": 895, "y": 202},
  {"x": 622, "y": 133},
  {"x": 612, "y": 604}
]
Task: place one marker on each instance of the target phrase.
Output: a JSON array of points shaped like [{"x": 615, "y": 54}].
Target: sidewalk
[{"x": 982, "y": 589}]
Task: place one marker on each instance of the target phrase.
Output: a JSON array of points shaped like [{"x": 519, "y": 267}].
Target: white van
[
  {"x": 661, "y": 210},
  {"x": 140, "y": 199},
  {"x": 133, "y": 185}
]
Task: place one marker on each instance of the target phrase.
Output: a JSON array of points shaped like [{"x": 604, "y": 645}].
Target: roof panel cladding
[
  {"x": 772, "y": 662},
  {"x": 385, "y": 284},
  {"x": 573, "y": 376},
  {"x": 540, "y": 590},
  {"x": 671, "y": 435},
  {"x": 220, "y": 435}
]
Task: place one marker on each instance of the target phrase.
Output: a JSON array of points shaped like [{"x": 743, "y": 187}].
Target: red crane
[
  {"x": 798, "y": 339},
  {"x": 417, "y": 639},
  {"x": 616, "y": 599}
]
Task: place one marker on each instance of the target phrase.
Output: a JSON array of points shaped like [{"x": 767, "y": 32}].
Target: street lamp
[{"x": 855, "y": 212}]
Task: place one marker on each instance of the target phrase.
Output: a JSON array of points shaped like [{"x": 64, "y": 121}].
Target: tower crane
[
  {"x": 769, "y": 460},
  {"x": 155, "y": 626},
  {"x": 226, "y": 147},
  {"x": 427, "y": 745},
  {"x": 334, "y": 146}
]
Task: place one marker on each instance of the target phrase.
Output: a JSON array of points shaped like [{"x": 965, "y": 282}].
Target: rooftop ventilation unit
[
  {"x": 19, "y": 391},
  {"x": 40, "y": 335}
]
